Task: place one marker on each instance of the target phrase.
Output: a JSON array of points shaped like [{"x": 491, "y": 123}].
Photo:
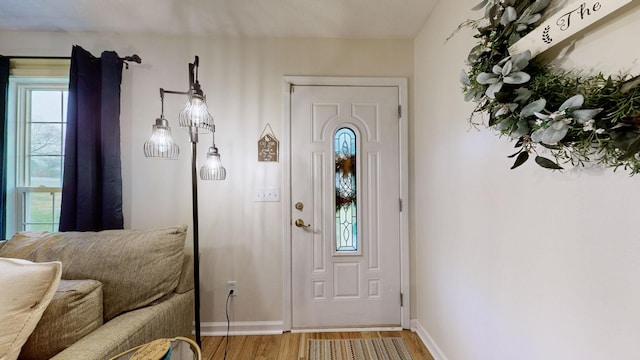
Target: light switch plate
[{"x": 267, "y": 194}]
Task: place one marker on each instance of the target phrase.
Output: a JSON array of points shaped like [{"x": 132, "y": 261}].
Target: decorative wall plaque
[
  {"x": 268, "y": 145},
  {"x": 570, "y": 19}
]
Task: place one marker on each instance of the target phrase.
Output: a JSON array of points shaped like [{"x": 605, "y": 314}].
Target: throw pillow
[
  {"x": 74, "y": 312},
  {"x": 27, "y": 289}
]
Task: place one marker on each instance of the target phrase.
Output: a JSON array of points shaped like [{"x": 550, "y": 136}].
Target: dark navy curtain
[
  {"x": 92, "y": 181},
  {"x": 4, "y": 88}
]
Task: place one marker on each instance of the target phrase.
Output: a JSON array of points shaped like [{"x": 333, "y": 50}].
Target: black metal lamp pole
[{"x": 196, "y": 255}]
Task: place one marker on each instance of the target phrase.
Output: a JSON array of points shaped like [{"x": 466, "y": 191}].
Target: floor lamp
[{"x": 195, "y": 118}]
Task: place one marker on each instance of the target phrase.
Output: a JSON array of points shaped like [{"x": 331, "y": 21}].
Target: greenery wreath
[{"x": 574, "y": 117}]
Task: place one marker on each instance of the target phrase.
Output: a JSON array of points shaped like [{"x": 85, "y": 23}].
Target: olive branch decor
[{"x": 556, "y": 116}]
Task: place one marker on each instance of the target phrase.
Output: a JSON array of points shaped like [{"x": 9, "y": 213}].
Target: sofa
[{"x": 118, "y": 289}]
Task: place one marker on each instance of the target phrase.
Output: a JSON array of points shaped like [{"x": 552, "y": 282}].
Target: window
[
  {"x": 345, "y": 194},
  {"x": 37, "y": 125}
]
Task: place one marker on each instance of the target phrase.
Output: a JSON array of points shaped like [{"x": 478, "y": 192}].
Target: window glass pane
[
  {"x": 46, "y": 139},
  {"x": 46, "y": 106},
  {"x": 39, "y": 207},
  {"x": 64, "y": 136},
  {"x": 42, "y": 211},
  {"x": 345, "y": 184},
  {"x": 39, "y": 227},
  {"x": 45, "y": 171},
  {"x": 65, "y": 97},
  {"x": 57, "y": 205}
]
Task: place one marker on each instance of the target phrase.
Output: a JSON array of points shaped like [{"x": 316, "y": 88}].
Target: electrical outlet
[{"x": 232, "y": 285}]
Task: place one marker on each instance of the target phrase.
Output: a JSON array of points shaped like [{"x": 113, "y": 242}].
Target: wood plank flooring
[{"x": 293, "y": 346}]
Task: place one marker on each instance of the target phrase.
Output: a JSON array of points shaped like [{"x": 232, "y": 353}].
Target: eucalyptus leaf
[
  {"x": 519, "y": 77},
  {"x": 584, "y": 115},
  {"x": 539, "y": 5},
  {"x": 475, "y": 53},
  {"x": 552, "y": 135},
  {"x": 508, "y": 16},
  {"x": 547, "y": 164},
  {"x": 519, "y": 28},
  {"x": 540, "y": 115},
  {"x": 521, "y": 130},
  {"x": 630, "y": 84},
  {"x": 514, "y": 38},
  {"x": 536, "y": 136},
  {"x": 532, "y": 108},
  {"x": 506, "y": 69},
  {"x": 521, "y": 60},
  {"x": 491, "y": 13},
  {"x": 523, "y": 94},
  {"x": 573, "y": 102},
  {"x": 486, "y": 78},
  {"x": 503, "y": 125},
  {"x": 469, "y": 96},
  {"x": 532, "y": 19},
  {"x": 464, "y": 78},
  {"x": 493, "y": 89},
  {"x": 521, "y": 159}
]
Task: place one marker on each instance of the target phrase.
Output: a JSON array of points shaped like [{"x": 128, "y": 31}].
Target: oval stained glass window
[{"x": 345, "y": 190}]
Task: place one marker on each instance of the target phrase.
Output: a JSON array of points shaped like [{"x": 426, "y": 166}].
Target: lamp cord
[{"x": 226, "y": 346}]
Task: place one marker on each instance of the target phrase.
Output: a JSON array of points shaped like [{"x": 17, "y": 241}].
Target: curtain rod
[
  {"x": 40, "y": 57},
  {"x": 134, "y": 58}
]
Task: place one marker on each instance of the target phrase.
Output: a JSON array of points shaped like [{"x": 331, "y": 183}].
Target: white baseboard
[
  {"x": 349, "y": 329},
  {"x": 242, "y": 328},
  {"x": 427, "y": 340}
]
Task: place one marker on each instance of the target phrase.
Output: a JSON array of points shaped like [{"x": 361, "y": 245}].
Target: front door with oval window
[{"x": 345, "y": 239}]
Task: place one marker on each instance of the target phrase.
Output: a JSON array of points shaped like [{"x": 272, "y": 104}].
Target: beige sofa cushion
[
  {"x": 135, "y": 267},
  {"x": 74, "y": 311},
  {"x": 27, "y": 289}
]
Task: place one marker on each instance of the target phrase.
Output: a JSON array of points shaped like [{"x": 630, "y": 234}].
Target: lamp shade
[
  {"x": 161, "y": 144},
  {"x": 196, "y": 114},
  {"x": 212, "y": 168}
]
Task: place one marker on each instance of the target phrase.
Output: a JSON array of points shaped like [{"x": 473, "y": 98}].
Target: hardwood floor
[{"x": 293, "y": 346}]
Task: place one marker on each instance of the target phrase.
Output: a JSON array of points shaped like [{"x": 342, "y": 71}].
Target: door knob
[{"x": 300, "y": 223}]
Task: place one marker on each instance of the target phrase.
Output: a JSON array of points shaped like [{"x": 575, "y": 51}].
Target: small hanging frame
[{"x": 268, "y": 145}]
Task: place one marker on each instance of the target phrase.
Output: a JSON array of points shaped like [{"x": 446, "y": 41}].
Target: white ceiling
[{"x": 250, "y": 18}]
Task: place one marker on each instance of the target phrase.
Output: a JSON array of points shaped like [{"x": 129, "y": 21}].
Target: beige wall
[
  {"x": 518, "y": 264},
  {"x": 239, "y": 239}
]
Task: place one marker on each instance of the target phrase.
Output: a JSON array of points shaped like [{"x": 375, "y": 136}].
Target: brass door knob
[{"x": 300, "y": 223}]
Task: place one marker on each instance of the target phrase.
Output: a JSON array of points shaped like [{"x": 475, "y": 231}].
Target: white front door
[{"x": 345, "y": 215}]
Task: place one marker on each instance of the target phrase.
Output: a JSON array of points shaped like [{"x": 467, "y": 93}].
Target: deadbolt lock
[{"x": 299, "y": 206}]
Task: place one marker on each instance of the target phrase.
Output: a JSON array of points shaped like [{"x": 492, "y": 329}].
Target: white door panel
[{"x": 361, "y": 286}]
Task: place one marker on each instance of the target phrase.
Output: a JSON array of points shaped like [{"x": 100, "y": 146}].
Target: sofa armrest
[
  {"x": 167, "y": 319},
  {"x": 186, "y": 275}
]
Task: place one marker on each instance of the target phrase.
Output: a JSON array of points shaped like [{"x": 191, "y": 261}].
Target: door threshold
[{"x": 348, "y": 329}]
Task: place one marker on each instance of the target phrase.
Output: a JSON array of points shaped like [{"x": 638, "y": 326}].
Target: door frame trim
[{"x": 403, "y": 124}]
